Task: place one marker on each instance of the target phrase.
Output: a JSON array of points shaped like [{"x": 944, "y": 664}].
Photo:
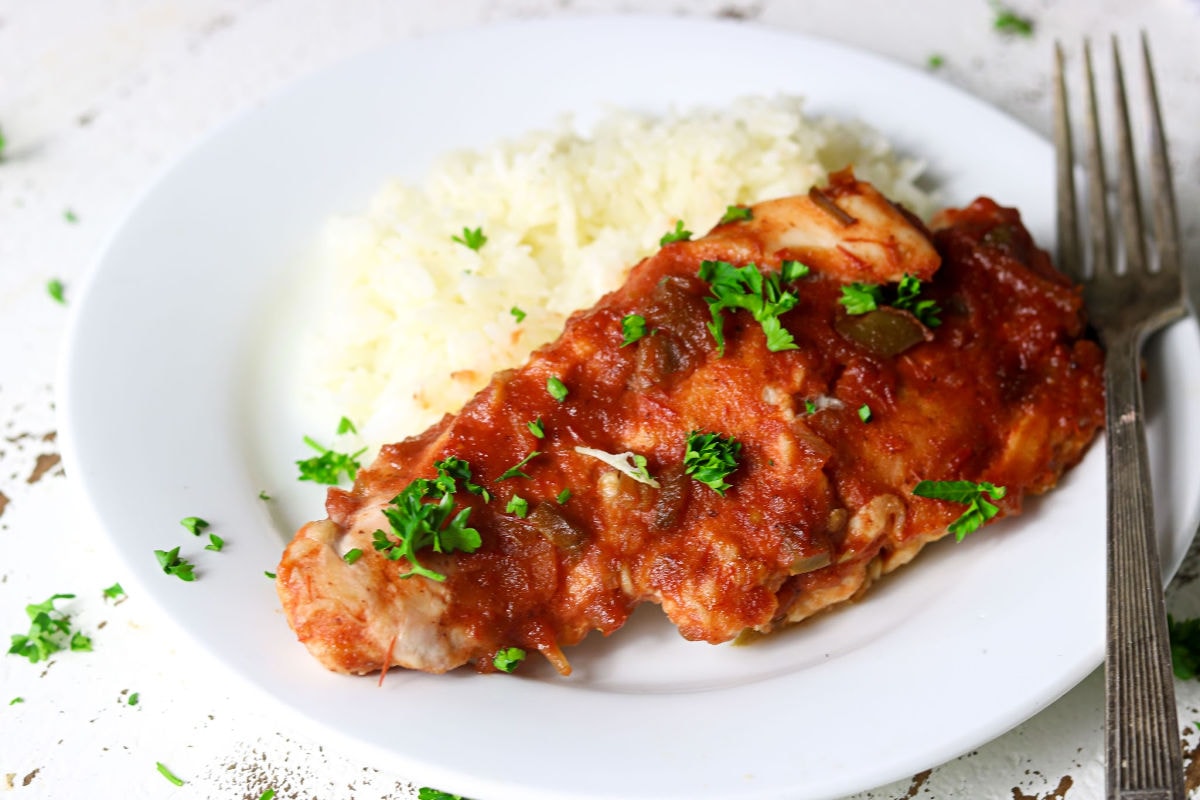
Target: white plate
[{"x": 176, "y": 401}]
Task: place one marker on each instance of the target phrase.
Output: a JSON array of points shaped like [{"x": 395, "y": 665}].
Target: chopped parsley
[
  {"x": 810, "y": 407},
  {"x": 473, "y": 239},
  {"x": 166, "y": 773},
  {"x": 416, "y": 524},
  {"x": 518, "y": 505},
  {"x": 452, "y": 469},
  {"x": 515, "y": 470},
  {"x": 172, "y": 564},
  {"x": 426, "y": 793},
  {"x": 537, "y": 428},
  {"x": 507, "y": 659},
  {"x": 269, "y": 574},
  {"x": 70, "y": 216},
  {"x": 193, "y": 524},
  {"x": 747, "y": 288},
  {"x": 3, "y": 144},
  {"x": 54, "y": 288},
  {"x": 633, "y": 327},
  {"x": 134, "y": 699},
  {"x": 518, "y": 314},
  {"x": 262, "y": 495},
  {"x": 1010, "y": 22},
  {"x": 864, "y": 412},
  {"x": 735, "y": 213},
  {"x": 215, "y": 543},
  {"x": 792, "y": 270},
  {"x": 563, "y": 496},
  {"x": 16, "y": 701},
  {"x": 860, "y": 298},
  {"x": 979, "y": 510},
  {"x": 677, "y": 235},
  {"x": 935, "y": 61},
  {"x": 268, "y": 794},
  {"x": 630, "y": 463},
  {"x": 710, "y": 458},
  {"x": 346, "y": 426},
  {"x": 557, "y": 389},
  {"x": 49, "y": 632},
  {"x": 352, "y": 555},
  {"x": 328, "y": 467},
  {"x": 1185, "y": 647},
  {"x": 114, "y": 592}
]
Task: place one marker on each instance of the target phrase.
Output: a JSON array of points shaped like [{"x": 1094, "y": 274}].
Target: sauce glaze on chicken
[{"x": 1007, "y": 389}]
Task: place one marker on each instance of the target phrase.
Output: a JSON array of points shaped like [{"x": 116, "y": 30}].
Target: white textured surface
[{"x": 97, "y": 97}]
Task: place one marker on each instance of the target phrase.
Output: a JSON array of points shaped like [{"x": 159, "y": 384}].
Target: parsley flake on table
[
  {"x": 537, "y": 428},
  {"x": 517, "y": 505},
  {"x": 416, "y": 524},
  {"x": 633, "y": 327},
  {"x": 49, "y": 632},
  {"x": 864, "y": 412},
  {"x": 70, "y": 216},
  {"x": 710, "y": 458},
  {"x": 749, "y": 289},
  {"x": 172, "y": 564},
  {"x": 518, "y": 314},
  {"x": 114, "y": 592},
  {"x": 352, "y": 555},
  {"x": 262, "y": 495},
  {"x": 935, "y": 61},
  {"x": 215, "y": 543},
  {"x": 269, "y": 574},
  {"x": 16, "y": 701},
  {"x": 677, "y": 235},
  {"x": 1006, "y": 20},
  {"x": 563, "y": 496},
  {"x": 328, "y": 467},
  {"x": 134, "y": 699},
  {"x": 55, "y": 288},
  {"x": 507, "y": 659},
  {"x": 515, "y": 470},
  {"x": 194, "y": 525},
  {"x": 735, "y": 213},
  {"x": 973, "y": 495},
  {"x": 557, "y": 389},
  {"x": 426, "y": 793},
  {"x": 474, "y": 239},
  {"x": 268, "y": 794},
  {"x": 1185, "y": 647},
  {"x": 166, "y": 773}
]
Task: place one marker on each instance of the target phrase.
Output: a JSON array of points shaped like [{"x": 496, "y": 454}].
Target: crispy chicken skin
[{"x": 1006, "y": 389}]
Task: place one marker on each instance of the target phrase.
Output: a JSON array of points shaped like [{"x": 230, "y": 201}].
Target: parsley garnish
[
  {"x": 677, "y": 235},
  {"x": 268, "y": 794},
  {"x": 346, "y": 426},
  {"x": 172, "y": 564},
  {"x": 114, "y": 592},
  {"x": 215, "y": 543},
  {"x": 633, "y": 327},
  {"x": 735, "y": 213},
  {"x": 16, "y": 700},
  {"x": 1185, "y": 647},
  {"x": 269, "y": 574},
  {"x": 328, "y": 467},
  {"x": 70, "y": 216},
  {"x": 417, "y": 524},
  {"x": 792, "y": 270},
  {"x": 979, "y": 510},
  {"x": 49, "y": 632},
  {"x": 134, "y": 698},
  {"x": 508, "y": 658},
  {"x": 473, "y": 239},
  {"x": 710, "y": 458},
  {"x": 515, "y": 470},
  {"x": 860, "y": 298},
  {"x": 563, "y": 496},
  {"x": 193, "y": 524},
  {"x": 262, "y": 495},
  {"x": 3, "y": 144},
  {"x": 1008, "y": 21},
  {"x": 518, "y": 314},
  {"x": 517, "y": 505},
  {"x": 864, "y": 412},
  {"x": 556, "y": 388},
  {"x": 54, "y": 288},
  {"x": 166, "y": 773},
  {"x": 935, "y": 61},
  {"x": 810, "y": 407},
  {"x": 425, "y": 793},
  {"x": 747, "y": 288},
  {"x": 537, "y": 428},
  {"x": 454, "y": 469},
  {"x": 352, "y": 555}
]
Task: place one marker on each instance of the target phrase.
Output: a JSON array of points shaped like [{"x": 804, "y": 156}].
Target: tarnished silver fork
[{"x": 1129, "y": 296}]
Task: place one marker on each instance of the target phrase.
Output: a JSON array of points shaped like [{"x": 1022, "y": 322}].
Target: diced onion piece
[{"x": 622, "y": 462}]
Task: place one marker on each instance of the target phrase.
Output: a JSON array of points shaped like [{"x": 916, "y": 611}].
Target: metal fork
[{"x": 1128, "y": 300}]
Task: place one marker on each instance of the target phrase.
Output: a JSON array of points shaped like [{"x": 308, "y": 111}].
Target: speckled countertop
[{"x": 96, "y": 98}]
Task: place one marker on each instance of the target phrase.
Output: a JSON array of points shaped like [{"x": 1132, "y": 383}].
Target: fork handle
[{"x": 1144, "y": 754}]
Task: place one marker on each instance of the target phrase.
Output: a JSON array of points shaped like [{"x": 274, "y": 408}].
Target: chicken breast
[{"x": 810, "y": 450}]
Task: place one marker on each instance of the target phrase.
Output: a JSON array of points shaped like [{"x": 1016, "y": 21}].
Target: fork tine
[
  {"x": 1166, "y": 222},
  {"x": 1070, "y": 259},
  {"x": 1127, "y": 190},
  {"x": 1097, "y": 190}
]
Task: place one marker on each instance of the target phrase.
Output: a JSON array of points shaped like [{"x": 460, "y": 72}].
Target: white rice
[{"x": 416, "y": 323}]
